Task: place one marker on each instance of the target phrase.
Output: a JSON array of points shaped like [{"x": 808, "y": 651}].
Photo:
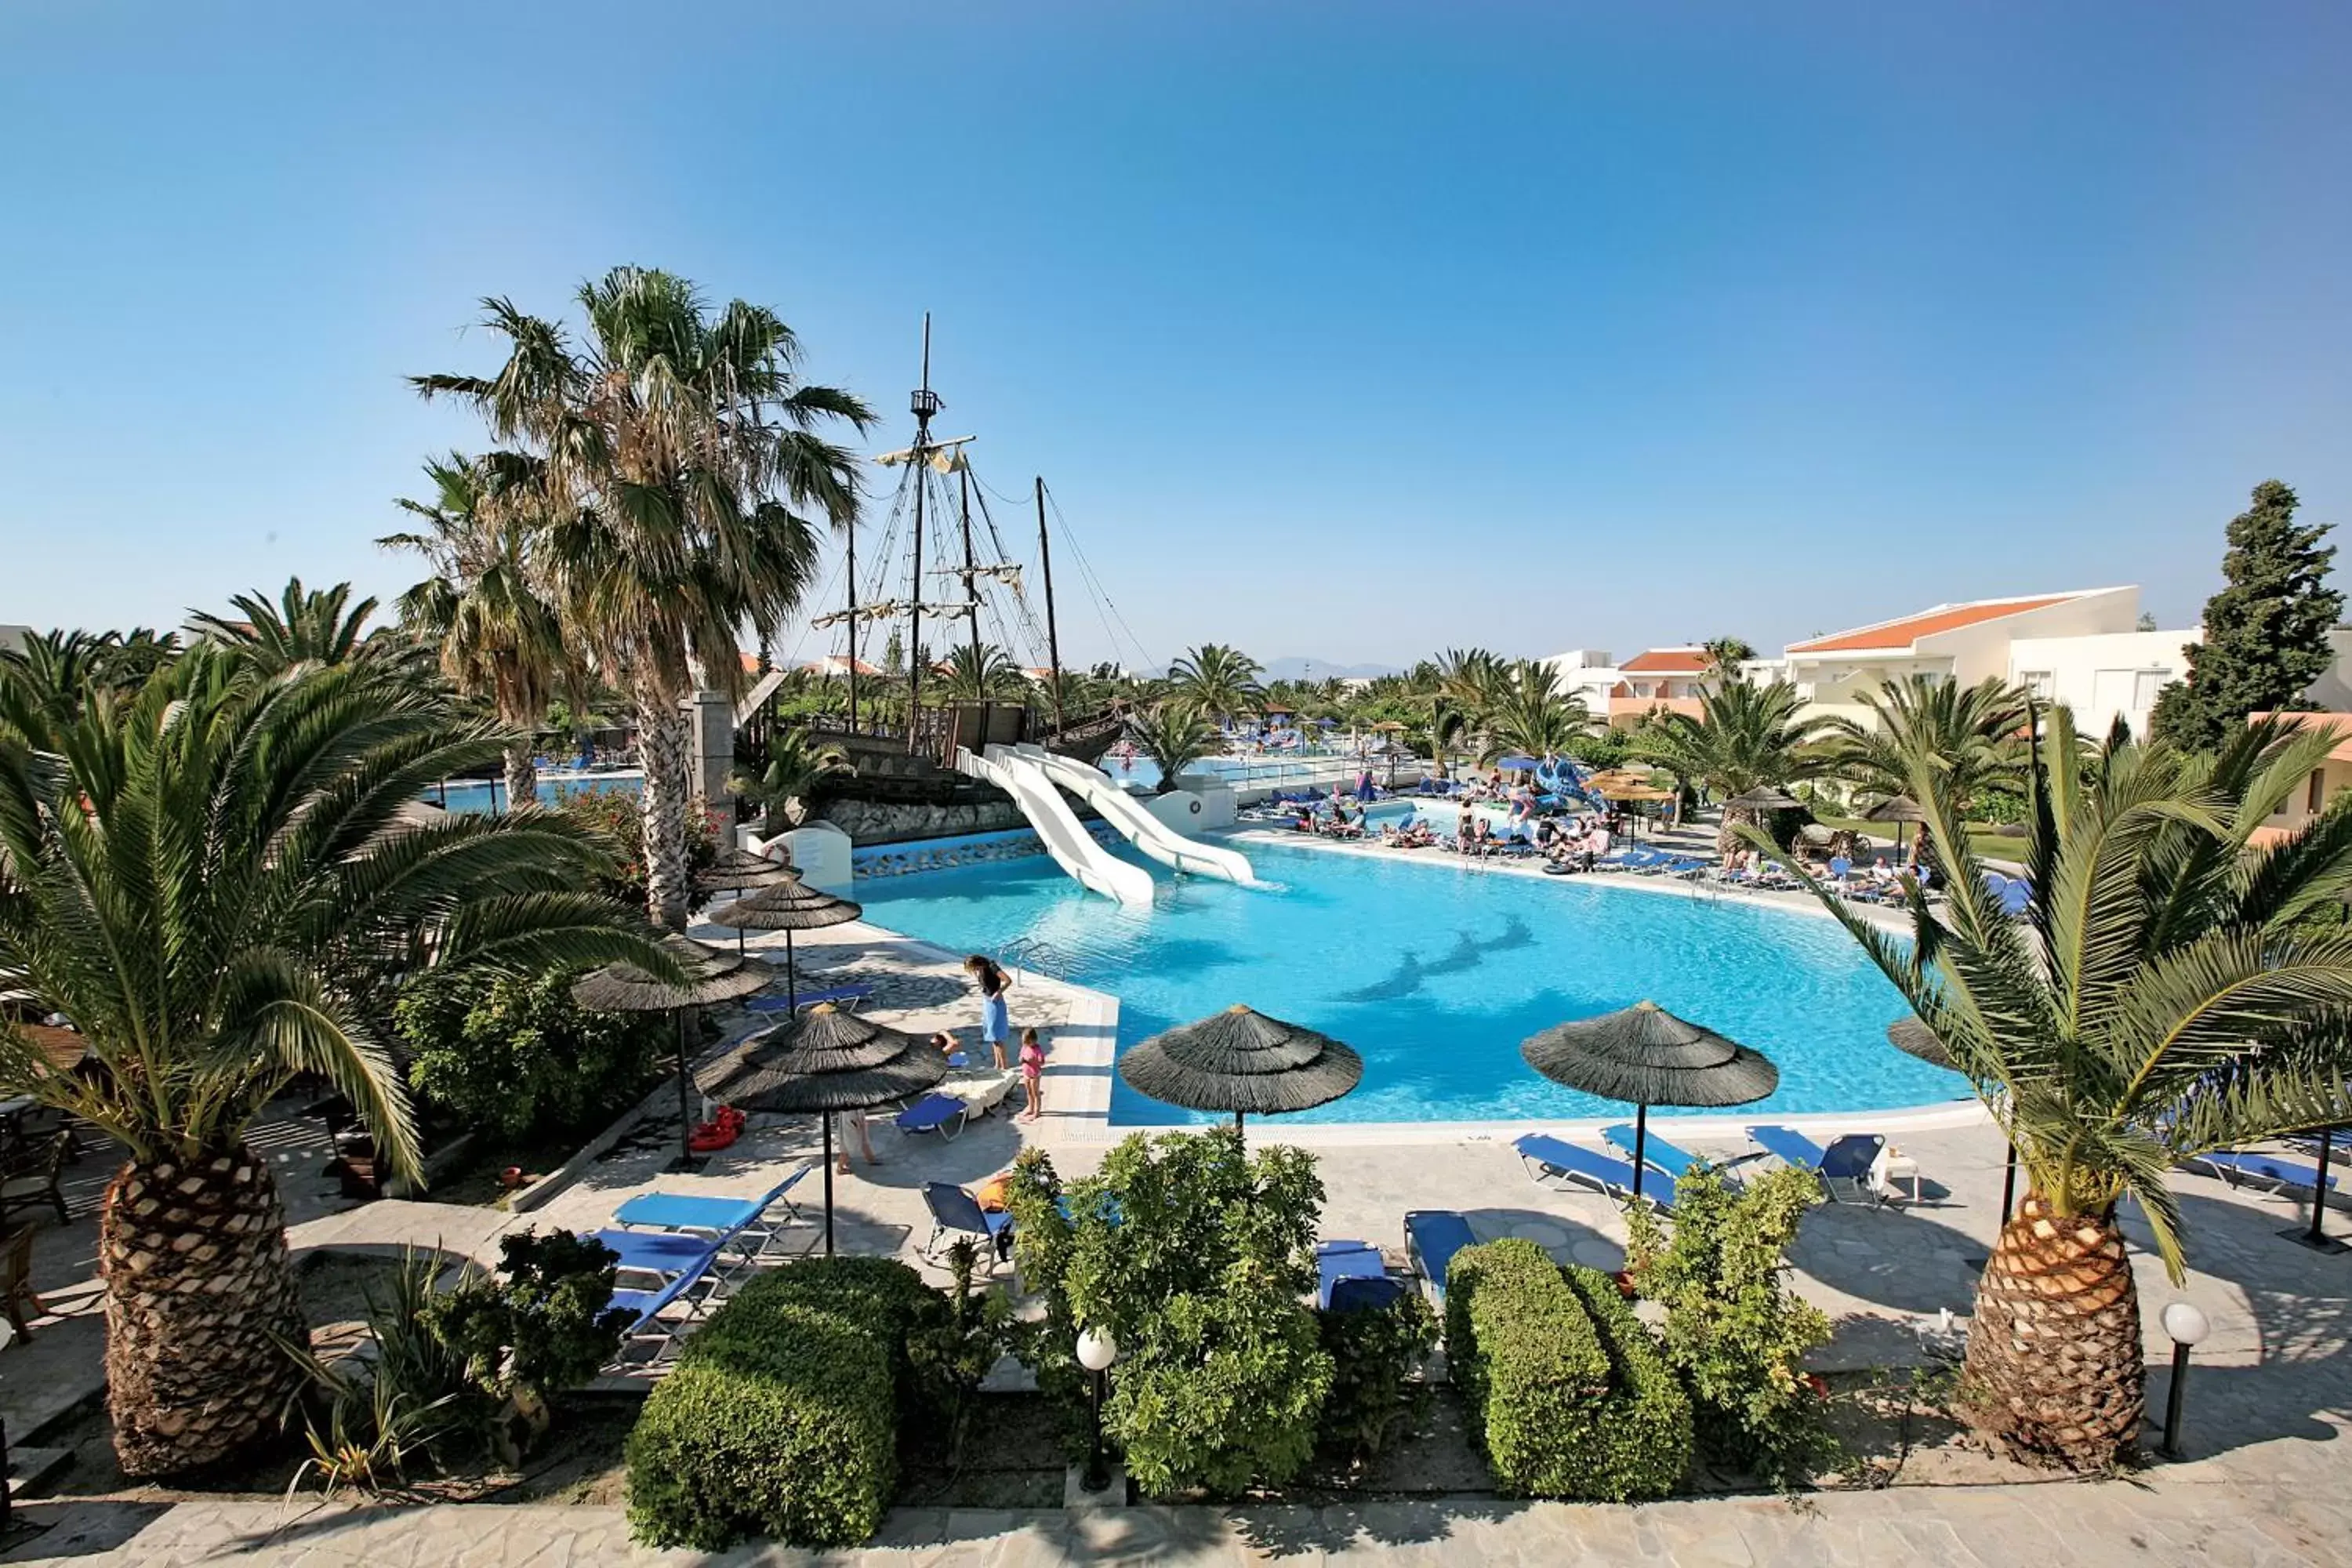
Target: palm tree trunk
[
  {"x": 662, "y": 742},
  {"x": 199, "y": 1290},
  {"x": 2055, "y": 1371},
  {"x": 522, "y": 776},
  {"x": 1726, "y": 834}
]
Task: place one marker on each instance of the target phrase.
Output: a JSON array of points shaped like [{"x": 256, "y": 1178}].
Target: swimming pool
[
  {"x": 471, "y": 797},
  {"x": 1437, "y": 973}
]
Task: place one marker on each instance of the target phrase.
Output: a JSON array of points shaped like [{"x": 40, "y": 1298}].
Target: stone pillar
[{"x": 710, "y": 741}]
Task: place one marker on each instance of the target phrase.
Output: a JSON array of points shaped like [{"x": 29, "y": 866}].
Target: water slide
[
  {"x": 1139, "y": 826},
  {"x": 1050, "y": 815}
]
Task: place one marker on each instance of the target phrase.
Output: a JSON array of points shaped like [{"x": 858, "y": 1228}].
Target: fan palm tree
[
  {"x": 676, "y": 443},
  {"x": 219, "y": 882},
  {"x": 991, "y": 677},
  {"x": 795, "y": 768},
  {"x": 1533, "y": 715},
  {"x": 1218, "y": 680},
  {"x": 486, "y": 605},
  {"x": 1744, "y": 735},
  {"x": 1174, "y": 733},
  {"x": 2165, "y": 994},
  {"x": 1970, "y": 731},
  {"x": 317, "y": 626}
]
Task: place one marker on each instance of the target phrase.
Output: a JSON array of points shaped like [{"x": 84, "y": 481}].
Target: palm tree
[
  {"x": 1970, "y": 731},
  {"x": 1174, "y": 733},
  {"x": 675, "y": 444},
  {"x": 795, "y": 768},
  {"x": 320, "y": 626},
  {"x": 1744, "y": 735},
  {"x": 486, "y": 604},
  {"x": 219, "y": 881},
  {"x": 2165, "y": 994},
  {"x": 1218, "y": 680},
  {"x": 1534, "y": 715},
  {"x": 1464, "y": 688},
  {"x": 991, "y": 677}
]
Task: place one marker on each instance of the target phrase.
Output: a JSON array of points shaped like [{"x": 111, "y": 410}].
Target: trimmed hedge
[
  {"x": 780, "y": 1417},
  {"x": 1562, "y": 1388}
]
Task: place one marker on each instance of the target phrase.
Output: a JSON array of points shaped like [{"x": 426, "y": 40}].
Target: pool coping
[{"x": 1084, "y": 1055}]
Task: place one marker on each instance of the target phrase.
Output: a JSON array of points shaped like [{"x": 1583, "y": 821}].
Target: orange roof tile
[
  {"x": 1667, "y": 661},
  {"x": 2339, "y": 724},
  {"x": 1903, "y": 633}
]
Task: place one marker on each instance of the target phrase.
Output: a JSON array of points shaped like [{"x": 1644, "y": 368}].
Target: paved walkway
[{"x": 2055, "y": 1526}]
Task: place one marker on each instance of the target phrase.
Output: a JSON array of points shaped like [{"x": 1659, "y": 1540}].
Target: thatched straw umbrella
[
  {"x": 1897, "y": 809},
  {"x": 712, "y": 976},
  {"x": 738, "y": 871},
  {"x": 1242, "y": 1061},
  {"x": 788, "y": 905},
  {"x": 824, "y": 1061},
  {"x": 1645, "y": 1055},
  {"x": 1764, "y": 797}
]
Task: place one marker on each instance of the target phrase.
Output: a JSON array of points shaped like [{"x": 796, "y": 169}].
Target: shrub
[
  {"x": 547, "y": 1325},
  {"x": 1560, "y": 1407},
  {"x": 1195, "y": 1256},
  {"x": 517, "y": 1057},
  {"x": 1734, "y": 1331},
  {"x": 614, "y": 817},
  {"x": 781, "y": 1416},
  {"x": 1374, "y": 1352},
  {"x": 951, "y": 1350}
]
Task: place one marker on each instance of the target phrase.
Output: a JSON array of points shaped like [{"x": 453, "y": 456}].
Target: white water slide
[
  {"x": 1050, "y": 815},
  {"x": 1139, "y": 826}
]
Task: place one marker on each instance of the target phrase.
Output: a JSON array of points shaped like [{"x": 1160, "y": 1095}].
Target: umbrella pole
[
  {"x": 1238, "y": 1141},
  {"x": 792, "y": 990},
  {"x": 1641, "y": 1140},
  {"x": 827, "y": 1118},
  {"x": 685, "y": 1160}
]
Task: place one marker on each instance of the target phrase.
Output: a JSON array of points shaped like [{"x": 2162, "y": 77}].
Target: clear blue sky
[{"x": 1350, "y": 330}]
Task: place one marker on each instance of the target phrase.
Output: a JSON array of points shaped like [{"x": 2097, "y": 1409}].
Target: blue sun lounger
[
  {"x": 1352, "y": 1274},
  {"x": 1549, "y": 1157},
  {"x": 738, "y": 1217},
  {"x": 1432, "y": 1237},
  {"x": 1659, "y": 1155},
  {"x": 647, "y": 1326},
  {"x": 2281, "y": 1174},
  {"x": 941, "y": 1113},
  {"x": 1848, "y": 1159}
]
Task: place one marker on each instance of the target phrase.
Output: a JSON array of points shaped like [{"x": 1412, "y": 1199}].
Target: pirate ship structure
[{"x": 940, "y": 569}]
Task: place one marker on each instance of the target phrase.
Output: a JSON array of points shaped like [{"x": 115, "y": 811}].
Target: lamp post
[
  {"x": 1097, "y": 1351},
  {"x": 2187, "y": 1326},
  {"x": 2316, "y": 1236}
]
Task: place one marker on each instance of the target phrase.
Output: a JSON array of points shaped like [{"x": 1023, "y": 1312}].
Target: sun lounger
[
  {"x": 980, "y": 1095},
  {"x": 1347, "y": 1271},
  {"x": 687, "y": 1287},
  {"x": 1547, "y": 1156},
  {"x": 941, "y": 1113},
  {"x": 1432, "y": 1237},
  {"x": 1658, "y": 1154},
  {"x": 738, "y": 1217},
  {"x": 1848, "y": 1160},
  {"x": 2283, "y": 1175},
  {"x": 845, "y": 997},
  {"x": 955, "y": 1211}
]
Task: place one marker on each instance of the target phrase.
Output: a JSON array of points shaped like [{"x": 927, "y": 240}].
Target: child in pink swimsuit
[{"x": 1032, "y": 1071}]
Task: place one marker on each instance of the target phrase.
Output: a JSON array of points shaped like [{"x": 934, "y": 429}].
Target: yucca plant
[
  {"x": 2167, "y": 993},
  {"x": 220, "y": 879}
]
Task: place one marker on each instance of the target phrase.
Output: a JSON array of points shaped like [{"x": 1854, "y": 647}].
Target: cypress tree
[{"x": 2265, "y": 632}]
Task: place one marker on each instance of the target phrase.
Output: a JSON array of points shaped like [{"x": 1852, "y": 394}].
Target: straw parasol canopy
[
  {"x": 787, "y": 904},
  {"x": 1912, "y": 1037},
  {"x": 1645, "y": 1055},
  {"x": 712, "y": 976},
  {"x": 1242, "y": 1061},
  {"x": 1764, "y": 797},
  {"x": 738, "y": 869},
  {"x": 1897, "y": 809},
  {"x": 824, "y": 1061}
]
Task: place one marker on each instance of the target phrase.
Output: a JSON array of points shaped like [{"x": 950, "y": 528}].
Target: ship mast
[
  {"x": 971, "y": 576},
  {"x": 1052, "y": 634},
  {"x": 926, "y": 404}
]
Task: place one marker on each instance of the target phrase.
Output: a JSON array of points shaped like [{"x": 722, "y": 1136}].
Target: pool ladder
[{"x": 1024, "y": 952}]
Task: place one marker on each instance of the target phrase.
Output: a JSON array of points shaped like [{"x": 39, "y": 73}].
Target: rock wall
[{"x": 896, "y": 822}]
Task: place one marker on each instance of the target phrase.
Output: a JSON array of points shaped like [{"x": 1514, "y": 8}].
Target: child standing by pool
[{"x": 1032, "y": 1072}]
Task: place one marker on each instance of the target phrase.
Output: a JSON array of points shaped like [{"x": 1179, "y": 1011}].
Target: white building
[{"x": 14, "y": 638}]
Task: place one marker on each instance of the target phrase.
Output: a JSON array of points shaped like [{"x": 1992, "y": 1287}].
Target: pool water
[
  {"x": 472, "y": 797},
  {"x": 1436, "y": 973}
]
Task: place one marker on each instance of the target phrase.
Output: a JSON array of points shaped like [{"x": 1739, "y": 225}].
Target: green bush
[
  {"x": 1564, "y": 1401},
  {"x": 518, "y": 1057},
  {"x": 614, "y": 817},
  {"x": 780, "y": 1417},
  {"x": 546, "y": 1322},
  {"x": 1196, "y": 1258},
  {"x": 1374, "y": 1353},
  {"x": 1734, "y": 1332}
]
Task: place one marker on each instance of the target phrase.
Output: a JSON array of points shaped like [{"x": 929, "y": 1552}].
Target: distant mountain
[{"x": 1323, "y": 670}]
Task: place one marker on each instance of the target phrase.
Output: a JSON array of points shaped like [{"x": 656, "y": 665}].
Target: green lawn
[{"x": 1983, "y": 838}]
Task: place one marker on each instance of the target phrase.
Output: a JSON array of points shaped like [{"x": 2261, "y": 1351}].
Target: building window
[
  {"x": 2145, "y": 686},
  {"x": 2314, "y": 792},
  {"x": 2036, "y": 683}
]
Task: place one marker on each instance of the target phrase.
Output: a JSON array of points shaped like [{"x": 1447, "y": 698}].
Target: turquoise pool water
[
  {"x": 471, "y": 797},
  {"x": 1436, "y": 974}
]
